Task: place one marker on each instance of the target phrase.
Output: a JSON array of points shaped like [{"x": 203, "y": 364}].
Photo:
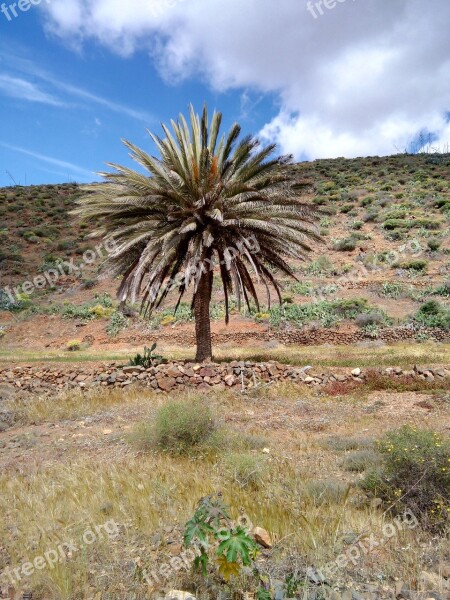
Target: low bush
[
  {"x": 370, "y": 216},
  {"x": 434, "y": 244},
  {"x": 356, "y": 224},
  {"x": 73, "y": 345},
  {"x": 411, "y": 265},
  {"x": 179, "y": 427},
  {"x": 320, "y": 266},
  {"x": 327, "y": 312},
  {"x": 346, "y": 244},
  {"x": 302, "y": 288},
  {"x": 433, "y": 314},
  {"x": 442, "y": 290},
  {"x": 391, "y": 290},
  {"x": 391, "y": 224},
  {"x": 414, "y": 475},
  {"x": 427, "y": 223},
  {"x": 371, "y": 318},
  {"x": 117, "y": 322},
  {"x": 360, "y": 461}
]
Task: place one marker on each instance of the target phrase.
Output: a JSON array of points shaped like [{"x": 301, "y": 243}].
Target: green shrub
[
  {"x": 433, "y": 314},
  {"x": 347, "y": 208},
  {"x": 73, "y": 345},
  {"x": 326, "y": 312},
  {"x": 182, "y": 426},
  {"x": 346, "y": 245},
  {"x": 442, "y": 290},
  {"x": 414, "y": 475},
  {"x": 434, "y": 244},
  {"x": 391, "y": 224},
  {"x": 302, "y": 288},
  {"x": 117, "y": 322},
  {"x": 391, "y": 290},
  {"x": 427, "y": 223},
  {"x": 356, "y": 224},
  {"x": 396, "y": 213},
  {"x": 411, "y": 265},
  {"x": 370, "y": 216},
  {"x": 320, "y": 266}
]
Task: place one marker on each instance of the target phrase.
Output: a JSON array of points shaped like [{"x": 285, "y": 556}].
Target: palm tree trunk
[{"x": 202, "y": 301}]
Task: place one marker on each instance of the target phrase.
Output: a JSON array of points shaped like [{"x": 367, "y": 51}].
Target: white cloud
[
  {"x": 71, "y": 168},
  {"x": 361, "y": 79},
  {"x": 16, "y": 87}
]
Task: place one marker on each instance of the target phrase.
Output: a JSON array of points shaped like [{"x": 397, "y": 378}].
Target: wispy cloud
[
  {"x": 26, "y": 66},
  {"x": 25, "y": 90},
  {"x": 140, "y": 115},
  {"x": 71, "y": 168}
]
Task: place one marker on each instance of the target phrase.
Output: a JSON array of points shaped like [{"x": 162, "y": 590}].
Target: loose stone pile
[{"x": 183, "y": 375}]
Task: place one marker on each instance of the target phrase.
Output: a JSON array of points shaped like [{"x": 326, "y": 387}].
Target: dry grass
[
  {"x": 147, "y": 494},
  {"x": 402, "y": 355},
  {"x": 73, "y": 404},
  {"x": 150, "y": 495}
]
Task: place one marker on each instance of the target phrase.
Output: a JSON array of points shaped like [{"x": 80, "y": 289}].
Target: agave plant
[{"x": 209, "y": 204}]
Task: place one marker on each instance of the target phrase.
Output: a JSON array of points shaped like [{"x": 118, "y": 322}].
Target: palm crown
[{"x": 206, "y": 199}]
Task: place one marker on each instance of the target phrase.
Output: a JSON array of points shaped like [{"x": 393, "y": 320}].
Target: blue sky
[
  {"x": 69, "y": 120},
  {"x": 76, "y": 76}
]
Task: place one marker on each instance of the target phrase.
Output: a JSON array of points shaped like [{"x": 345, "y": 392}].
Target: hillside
[{"x": 385, "y": 253}]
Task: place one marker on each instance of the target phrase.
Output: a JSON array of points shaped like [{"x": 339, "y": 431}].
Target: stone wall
[
  {"x": 178, "y": 376},
  {"x": 307, "y": 336}
]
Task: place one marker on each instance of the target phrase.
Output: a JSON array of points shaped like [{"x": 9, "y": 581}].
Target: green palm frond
[{"x": 202, "y": 199}]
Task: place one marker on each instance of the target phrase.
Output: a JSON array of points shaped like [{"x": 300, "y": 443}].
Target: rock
[
  {"x": 179, "y": 595},
  {"x": 440, "y": 372},
  {"x": 173, "y": 371},
  {"x": 175, "y": 549},
  {"x": 133, "y": 369},
  {"x": 262, "y": 537},
  {"x": 356, "y": 372},
  {"x": 166, "y": 383},
  {"x": 229, "y": 380}
]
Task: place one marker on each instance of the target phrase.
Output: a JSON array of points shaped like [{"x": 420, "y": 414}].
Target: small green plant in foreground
[
  {"x": 414, "y": 475},
  {"x": 220, "y": 541}
]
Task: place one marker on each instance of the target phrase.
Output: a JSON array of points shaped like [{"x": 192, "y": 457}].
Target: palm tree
[{"x": 205, "y": 199}]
